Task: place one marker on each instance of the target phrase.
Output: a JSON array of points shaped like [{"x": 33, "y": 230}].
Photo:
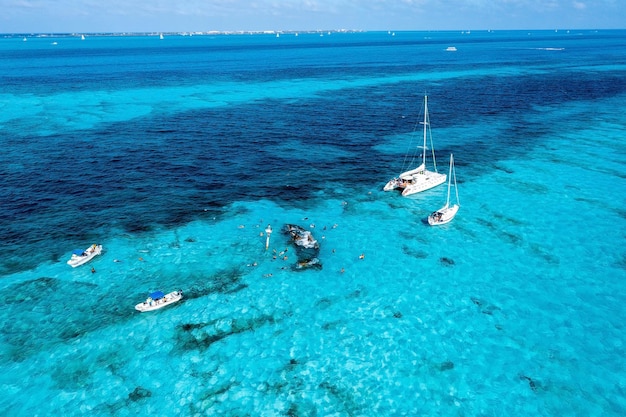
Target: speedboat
[
  {"x": 158, "y": 299},
  {"x": 80, "y": 256}
]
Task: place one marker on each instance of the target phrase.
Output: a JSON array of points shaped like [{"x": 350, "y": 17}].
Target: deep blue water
[
  {"x": 193, "y": 154},
  {"x": 128, "y": 140}
]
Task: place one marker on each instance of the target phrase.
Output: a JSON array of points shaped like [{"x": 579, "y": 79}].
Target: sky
[{"x": 92, "y": 16}]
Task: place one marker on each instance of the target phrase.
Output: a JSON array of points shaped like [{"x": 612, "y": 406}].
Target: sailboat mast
[
  {"x": 456, "y": 189},
  {"x": 449, "y": 181},
  {"x": 425, "y": 123}
]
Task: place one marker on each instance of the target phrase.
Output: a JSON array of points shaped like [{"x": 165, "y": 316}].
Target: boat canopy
[
  {"x": 157, "y": 295},
  {"x": 78, "y": 252}
]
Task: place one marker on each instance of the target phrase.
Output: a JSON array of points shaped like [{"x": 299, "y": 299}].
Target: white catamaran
[
  {"x": 419, "y": 179},
  {"x": 446, "y": 213}
]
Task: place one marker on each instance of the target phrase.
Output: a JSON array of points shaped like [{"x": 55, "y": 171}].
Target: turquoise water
[{"x": 176, "y": 154}]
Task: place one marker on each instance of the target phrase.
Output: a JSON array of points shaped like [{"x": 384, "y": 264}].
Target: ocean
[{"x": 175, "y": 154}]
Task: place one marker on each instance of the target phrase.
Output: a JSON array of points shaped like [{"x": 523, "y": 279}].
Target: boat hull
[
  {"x": 391, "y": 185},
  {"x": 151, "y": 305},
  {"x": 423, "y": 182},
  {"x": 394, "y": 184},
  {"x": 90, "y": 253},
  {"x": 443, "y": 215}
]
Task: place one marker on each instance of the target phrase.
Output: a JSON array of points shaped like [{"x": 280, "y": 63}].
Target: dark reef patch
[
  {"x": 446, "y": 366},
  {"x": 415, "y": 253},
  {"x": 500, "y": 167},
  {"x": 359, "y": 292},
  {"x": 331, "y": 325},
  {"x": 201, "y": 336},
  {"x": 446, "y": 261},
  {"x": 545, "y": 254},
  {"x": 49, "y": 316},
  {"x": 30, "y": 291},
  {"x": 323, "y": 303},
  {"x": 224, "y": 282},
  {"x": 511, "y": 237},
  {"x": 531, "y": 382},
  {"x": 621, "y": 263},
  {"x": 139, "y": 393},
  {"x": 343, "y": 397},
  {"x": 485, "y": 308},
  {"x": 488, "y": 224}
]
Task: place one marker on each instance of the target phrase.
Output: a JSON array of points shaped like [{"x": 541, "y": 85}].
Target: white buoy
[{"x": 268, "y": 232}]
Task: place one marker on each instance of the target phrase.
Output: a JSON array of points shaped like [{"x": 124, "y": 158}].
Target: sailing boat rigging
[
  {"x": 418, "y": 179},
  {"x": 446, "y": 213}
]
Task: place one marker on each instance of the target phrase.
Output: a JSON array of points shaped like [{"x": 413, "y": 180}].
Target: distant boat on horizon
[
  {"x": 451, "y": 49},
  {"x": 161, "y": 36}
]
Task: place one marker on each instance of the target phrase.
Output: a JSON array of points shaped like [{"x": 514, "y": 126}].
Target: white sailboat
[
  {"x": 418, "y": 179},
  {"x": 446, "y": 213}
]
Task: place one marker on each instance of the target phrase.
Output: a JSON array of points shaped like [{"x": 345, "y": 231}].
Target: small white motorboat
[
  {"x": 80, "y": 256},
  {"x": 158, "y": 299}
]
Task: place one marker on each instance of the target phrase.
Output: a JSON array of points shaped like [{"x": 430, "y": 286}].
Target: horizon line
[{"x": 288, "y": 31}]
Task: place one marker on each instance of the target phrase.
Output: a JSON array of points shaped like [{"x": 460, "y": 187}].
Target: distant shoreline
[
  {"x": 198, "y": 33},
  {"x": 273, "y": 32}
]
